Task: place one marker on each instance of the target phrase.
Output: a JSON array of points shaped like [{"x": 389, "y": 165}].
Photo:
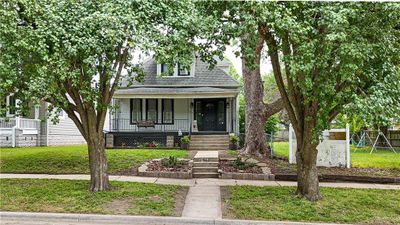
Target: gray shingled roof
[
  {"x": 181, "y": 90},
  {"x": 203, "y": 78}
]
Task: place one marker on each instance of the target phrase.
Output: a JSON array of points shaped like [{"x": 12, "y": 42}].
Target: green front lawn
[
  {"x": 338, "y": 205},
  {"x": 281, "y": 149},
  {"x": 70, "y": 196},
  {"x": 382, "y": 159},
  {"x": 74, "y": 159}
]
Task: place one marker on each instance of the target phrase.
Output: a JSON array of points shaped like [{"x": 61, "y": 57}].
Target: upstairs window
[
  {"x": 136, "y": 110},
  {"x": 164, "y": 69},
  {"x": 12, "y": 105},
  {"x": 182, "y": 71},
  {"x": 177, "y": 71},
  {"x": 168, "y": 111},
  {"x": 151, "y": 110}
]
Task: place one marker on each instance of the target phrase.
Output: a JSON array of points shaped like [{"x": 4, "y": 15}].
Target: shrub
[
  {"x": 171, "y": 162},
  {"x": 185, "y": 139},
  {"x": 234, "y": 139},
  {"x": 239, "y": 164}
]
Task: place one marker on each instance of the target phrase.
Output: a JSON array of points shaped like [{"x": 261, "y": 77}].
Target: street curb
[{"x": 139, "y": 220}]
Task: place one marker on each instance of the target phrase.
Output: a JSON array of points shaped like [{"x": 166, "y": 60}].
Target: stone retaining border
[
  {"x": 246, "y": 176},
  {"x": 142, "y": 171},
  {"x": 265, "y": 175}
]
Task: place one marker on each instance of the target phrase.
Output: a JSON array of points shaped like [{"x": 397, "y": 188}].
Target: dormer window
[
  {"x": 178, "y": 71},
  {"x": 182, "y": 71},
  {"x": 164, "y": 69}
]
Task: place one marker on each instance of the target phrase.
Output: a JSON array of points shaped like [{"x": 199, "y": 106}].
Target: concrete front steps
[
  {"x": 205, "y": 164},
  {"x": 213, "y": 142}
]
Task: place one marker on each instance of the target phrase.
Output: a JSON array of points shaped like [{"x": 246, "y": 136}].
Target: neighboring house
[
  {"x": 191, "y": 102},
  {"x": 35, "y": 129}
]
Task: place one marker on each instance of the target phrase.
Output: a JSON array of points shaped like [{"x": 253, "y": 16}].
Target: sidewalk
[
  {"x": 203, "y": 202},
  {"x": 26, "y": 218},
  {"x": 199, "y": 182}
]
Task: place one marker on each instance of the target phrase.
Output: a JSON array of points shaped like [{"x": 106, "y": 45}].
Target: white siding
[{"x": 64, "y": 133}]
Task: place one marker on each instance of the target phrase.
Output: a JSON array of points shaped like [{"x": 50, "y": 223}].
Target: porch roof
[{"x": 186, "y": 92}]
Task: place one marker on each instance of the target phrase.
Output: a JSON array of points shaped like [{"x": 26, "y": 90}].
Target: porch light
[{"x": 227, "y": 104}]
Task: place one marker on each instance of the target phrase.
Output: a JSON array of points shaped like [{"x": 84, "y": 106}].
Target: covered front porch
[
  {"x": 178, "y": 114},
  {"x": 160, "y": 116}
]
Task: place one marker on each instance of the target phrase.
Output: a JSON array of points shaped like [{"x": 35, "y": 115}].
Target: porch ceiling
[{"x": 189, "y": 92}]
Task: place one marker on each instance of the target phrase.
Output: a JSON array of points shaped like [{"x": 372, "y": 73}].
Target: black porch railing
[{"x": 125, "y": 125}]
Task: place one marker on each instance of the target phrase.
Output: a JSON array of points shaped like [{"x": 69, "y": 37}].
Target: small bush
[
  {"x": 171, "y": 162},
  {"x": 234, "y": 139},
  {"x": 185, "y": 139},
  {"x": 239, "y": 164}
]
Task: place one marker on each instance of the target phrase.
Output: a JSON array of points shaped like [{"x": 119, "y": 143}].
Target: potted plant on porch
[
  {"x": 185, "y": 142},
  {"x": 233, "y": 142}
]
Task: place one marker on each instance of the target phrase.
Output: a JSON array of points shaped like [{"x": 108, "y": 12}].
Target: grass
[
  {"x": 73, "y": 159},
  {"x": 70, "y": 196},
  {"x": 231, "y": 153},
  {"x": 339, "y": 205},
  {"x": 281, "y": 148},
  {"x": 380, "y": 159}
]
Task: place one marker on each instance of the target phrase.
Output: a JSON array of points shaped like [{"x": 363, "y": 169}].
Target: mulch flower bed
[
  {"x": 156, "y": 165},
  {"x": 227, "y": 166},
  {"x": 168, "y": 168}
]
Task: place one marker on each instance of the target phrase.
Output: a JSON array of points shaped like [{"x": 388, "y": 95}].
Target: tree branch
[
  {"x": 273, "y": 53},
  {"x": 273, "y": 107}
]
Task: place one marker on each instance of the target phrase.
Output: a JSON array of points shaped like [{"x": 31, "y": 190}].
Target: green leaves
[
  {"x": 339, "y": 54},
  {"x": 76, "y": 52}
]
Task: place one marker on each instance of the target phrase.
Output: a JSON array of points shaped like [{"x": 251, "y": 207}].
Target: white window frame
[
  {"x": 176, "y": 72},
  {"x": 8, "y": 114}
]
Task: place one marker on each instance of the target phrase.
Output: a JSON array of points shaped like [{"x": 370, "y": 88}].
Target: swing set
[{"x": 379, "y": 143}]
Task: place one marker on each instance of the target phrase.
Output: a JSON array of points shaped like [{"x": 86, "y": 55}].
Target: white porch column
[
  {"x": 37, "y": 111},
  {"x": 237, "y": 115},
  {"x": 17, "y": 122},
  {"x": 159, "y": 111},
  {"x": 143, "y": 109}
]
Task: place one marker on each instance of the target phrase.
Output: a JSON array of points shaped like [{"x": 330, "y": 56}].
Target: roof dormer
[{"x": 178, "y": 71}]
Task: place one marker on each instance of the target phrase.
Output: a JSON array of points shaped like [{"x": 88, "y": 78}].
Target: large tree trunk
[
  {"x": 255, "y": 116},
  {"x": 307, "y": 173},
  {"x": 254, "y": 109},
  {"x": 97, "y": 163}
]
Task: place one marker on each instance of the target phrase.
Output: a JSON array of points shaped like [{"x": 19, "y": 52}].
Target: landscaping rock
[
  {"x": 185, "y": 174},
  {"x": 266, "y": 170},
  {"x": 261, "y": 164},
  {"x": 251, "y": 160}
]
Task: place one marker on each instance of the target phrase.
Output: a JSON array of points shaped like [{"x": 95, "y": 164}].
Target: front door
[{"x": 210, "y": 114}]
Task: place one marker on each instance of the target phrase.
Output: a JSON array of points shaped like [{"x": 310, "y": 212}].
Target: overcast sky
[{"x": 266, "y": 66}]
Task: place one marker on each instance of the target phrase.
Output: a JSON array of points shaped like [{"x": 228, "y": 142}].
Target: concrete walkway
[
  {"x": 203, "y": 202},
  {"x": 199, "y": 181},
  {"x": 26, "y": 218},
  {"x": 206, "y": 154}
]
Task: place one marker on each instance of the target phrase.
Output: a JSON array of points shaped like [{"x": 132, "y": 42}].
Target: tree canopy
[
  {"x": 329, "y": 58},
  {"x": 73, "y": 54}
]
